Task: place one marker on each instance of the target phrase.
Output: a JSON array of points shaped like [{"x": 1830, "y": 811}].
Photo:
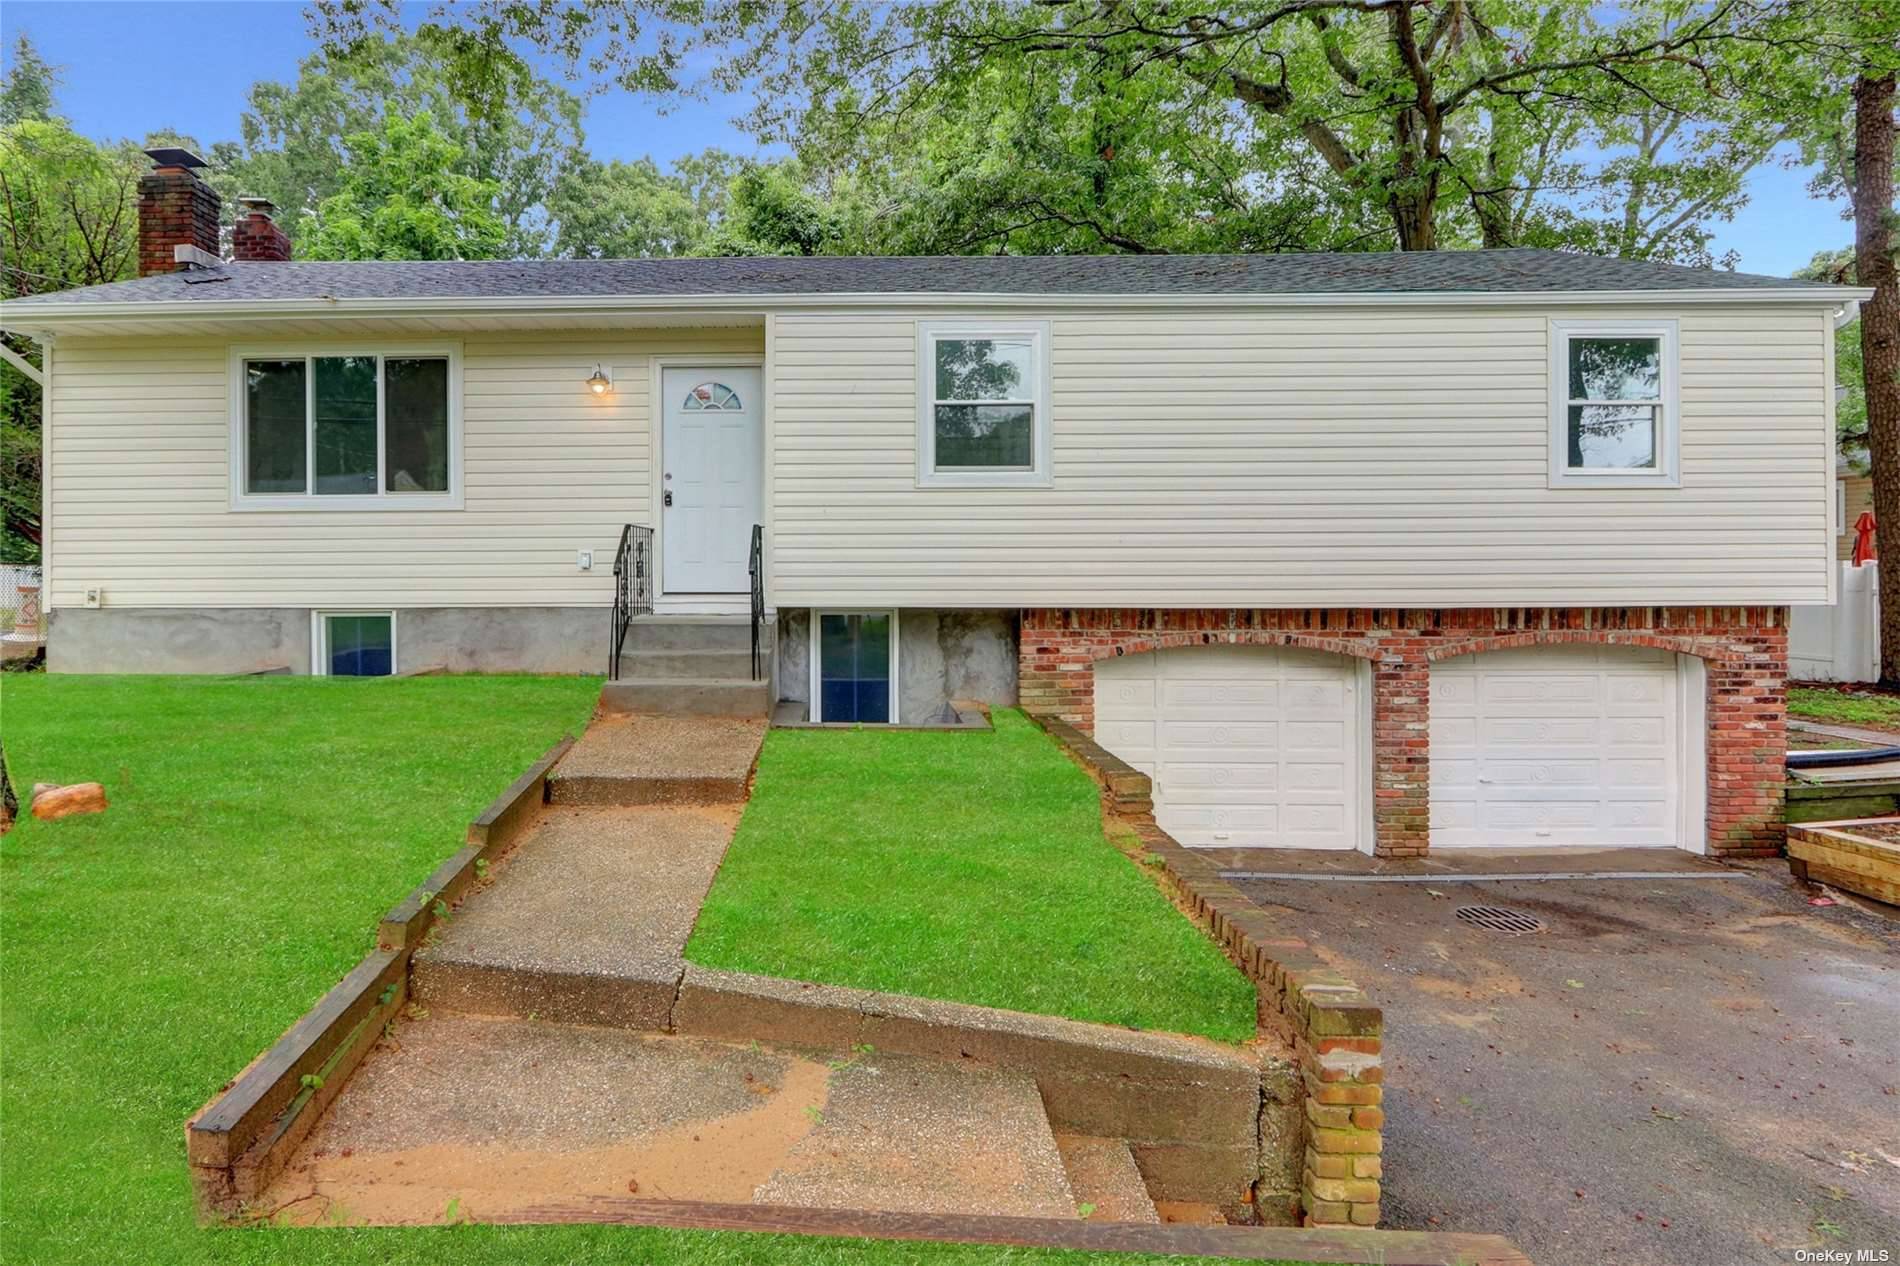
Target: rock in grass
[{"x": 63, "y": 802}]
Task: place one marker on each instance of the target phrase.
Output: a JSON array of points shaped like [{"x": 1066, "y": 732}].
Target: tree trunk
[
  {"x": 1416, "y": 222},
  {"x": 1880, "y": 340}
]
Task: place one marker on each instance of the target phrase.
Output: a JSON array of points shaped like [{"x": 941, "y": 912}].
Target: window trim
[
  {"x": 1667, "y": 473},
  {"x": 380, "y": 500},
  {"x": 817, "y": 697},
  {"x": 320, "y": 636},
  {"x": 1041, "y": 444}
]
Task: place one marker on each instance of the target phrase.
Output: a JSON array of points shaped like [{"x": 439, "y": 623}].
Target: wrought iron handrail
[
  {"x": 633, "y": 587},
  {"x": 756, "y": 567}
]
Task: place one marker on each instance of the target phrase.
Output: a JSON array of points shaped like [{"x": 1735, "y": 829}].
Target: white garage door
[
  {"x": 1247, "y": 745},
  {"x": 1556, "y": 746}
]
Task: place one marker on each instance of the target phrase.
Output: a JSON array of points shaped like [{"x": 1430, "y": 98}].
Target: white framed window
[
  {"x": 982, "y": 404},
  {"x": 854, "y": 666},
  {"x": 346, "y": 428},
  {"x": 1614, "y": 401},
  {"x": 353, "y": 643}
]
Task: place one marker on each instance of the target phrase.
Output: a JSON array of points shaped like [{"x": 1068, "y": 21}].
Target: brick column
[
  {"x": 1401, "y": 751},
  {"x": 1747, "y": 742},
  {"x": 1054, "y": 674}
]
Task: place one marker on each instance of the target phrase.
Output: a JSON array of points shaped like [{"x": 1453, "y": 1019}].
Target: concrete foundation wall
[
  {"x": 941, "y": 655},
  {"x": 244, "y": 640}
]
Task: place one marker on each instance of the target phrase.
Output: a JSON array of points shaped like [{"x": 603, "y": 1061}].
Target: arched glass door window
[{"x": 712, "y": 397}]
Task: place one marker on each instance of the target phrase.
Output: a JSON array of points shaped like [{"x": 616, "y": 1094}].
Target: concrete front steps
[
  {"x": 678, "y": 665},
  {"x": 493, "y": 1118}
]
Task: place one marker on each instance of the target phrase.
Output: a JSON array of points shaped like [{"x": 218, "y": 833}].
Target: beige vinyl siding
[
  {"x": 141, "y": 480},
  {"x": 1305, "y": 456}
]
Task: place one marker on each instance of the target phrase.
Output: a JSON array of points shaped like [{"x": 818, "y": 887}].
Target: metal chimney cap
[
  {"x": 256, "y": 204},
  {"x": 170, "y": 156}
]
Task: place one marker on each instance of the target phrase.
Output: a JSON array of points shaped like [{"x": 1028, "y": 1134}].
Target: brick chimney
[
  {"x": 175, "y": 209},
  {"x": 256, "y": 236}
]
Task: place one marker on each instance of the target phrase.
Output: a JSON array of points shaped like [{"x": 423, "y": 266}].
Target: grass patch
[
  {"x": 258, "y": 829},
  {"x": 962, "y": 866},
  {"x": 1845, "y": 707}
]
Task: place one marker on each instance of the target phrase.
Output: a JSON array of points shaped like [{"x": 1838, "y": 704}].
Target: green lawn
[
  {"x": 1819, "y": 703},
  {"x": 258, "y": 828},
  {"x": 956, "y": 865}
]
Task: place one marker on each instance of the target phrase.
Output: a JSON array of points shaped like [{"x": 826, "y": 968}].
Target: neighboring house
[
  {"x": 1854, "y": 496},
  {"x": 1370, "y": 551}
]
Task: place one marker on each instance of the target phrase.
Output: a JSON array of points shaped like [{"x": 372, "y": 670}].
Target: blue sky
[{"x": 133, "y": 65}]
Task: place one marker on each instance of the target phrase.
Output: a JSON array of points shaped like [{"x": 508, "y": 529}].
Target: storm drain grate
[{"x": 1498, "y": 919}]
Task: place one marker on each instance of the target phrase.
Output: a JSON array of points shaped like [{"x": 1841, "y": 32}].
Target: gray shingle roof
[{"x": 1431, "y": 272}]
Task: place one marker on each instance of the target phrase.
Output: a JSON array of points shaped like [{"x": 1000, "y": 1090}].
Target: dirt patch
[{"x": 723, "y": 1157}]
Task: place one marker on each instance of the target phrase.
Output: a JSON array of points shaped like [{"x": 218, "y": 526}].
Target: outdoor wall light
[{"x": 600, "y": 382}]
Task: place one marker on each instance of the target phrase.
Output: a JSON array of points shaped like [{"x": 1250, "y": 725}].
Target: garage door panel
[
  {"x": 1555, "y": 747},
  {"x": 1250, "y": 746},
  {"x": 1649, "y": 731},
  {"x": 1643, "y": 692},
  {"x": 1188, "y": 737},
  {"x": 1540, "y": 731},
  {"x": 1190, "y": 821},
  {"x": 1304, "y": 737},
  {"x": 1652, "y": 773},
  {"x": 1200, "y": 781},
  {"x": 1531, "y": 775},
  {"x": 1208, "y": 700},
  {"x": 1136, "y": 694},
  {"x": 1329, "y": 779},
  {"x": 1538, "y": 691},
  {"x": 1133, "y": 741}
]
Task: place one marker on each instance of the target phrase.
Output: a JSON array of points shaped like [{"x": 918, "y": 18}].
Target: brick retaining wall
[{"x": 1745, "y": 650}]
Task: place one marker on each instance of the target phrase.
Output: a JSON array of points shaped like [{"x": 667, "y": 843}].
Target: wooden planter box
[{"x": 1835, "y": 853}]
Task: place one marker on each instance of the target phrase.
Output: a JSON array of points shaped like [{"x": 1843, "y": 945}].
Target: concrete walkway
[
  {"x": 499, "y": 1117},
  {"x": 558, "y": 1048}
]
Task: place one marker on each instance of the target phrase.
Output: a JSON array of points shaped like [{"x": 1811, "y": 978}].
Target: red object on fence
[{"x": 1864, "y": 539}]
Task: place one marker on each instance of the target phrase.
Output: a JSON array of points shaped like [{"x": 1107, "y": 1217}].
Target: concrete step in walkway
[
  {"x": 585, "y": 921},
  {"x": 640, "y": 759},
  {"x": 1104, "y": 1179},
  {"x": 499, "y": 1117},
  {"x": 688, "y": 696}
]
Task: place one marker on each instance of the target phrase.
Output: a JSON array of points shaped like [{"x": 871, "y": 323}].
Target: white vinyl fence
[{"x": 1841, "y": 642}]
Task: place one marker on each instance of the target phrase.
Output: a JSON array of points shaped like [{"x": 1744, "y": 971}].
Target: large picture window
[
  {"x": 1613, "y": 415},
  {"x": 356, "y": 430},
  {"x": 983, "y": 404}
]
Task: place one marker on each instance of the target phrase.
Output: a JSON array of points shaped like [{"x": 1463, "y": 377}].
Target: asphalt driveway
[{"x": 1686, "y": 1072}]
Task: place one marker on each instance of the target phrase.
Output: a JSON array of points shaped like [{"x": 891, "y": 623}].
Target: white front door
[
  {"x": 1248, "y": 746},
  {"x": 712, "y": 492},
  {"x": 1556, "y": 746}
]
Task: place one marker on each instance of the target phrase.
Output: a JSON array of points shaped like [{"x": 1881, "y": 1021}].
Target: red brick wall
[
  {"x": 1745, "y": 650},
  {"x": 175, "y": 209},
  {"x": 257, "y": 237}
]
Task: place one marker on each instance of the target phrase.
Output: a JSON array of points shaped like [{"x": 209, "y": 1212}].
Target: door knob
[{"x": 666, "y": 498}]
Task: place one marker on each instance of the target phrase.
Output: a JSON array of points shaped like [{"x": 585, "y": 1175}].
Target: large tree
[
  {"x": 1223, "y": 124},
  {"x": 1830, "y": 72},
  {"x": 405, "y": 196},
  {"x": 511, "y": 127}
]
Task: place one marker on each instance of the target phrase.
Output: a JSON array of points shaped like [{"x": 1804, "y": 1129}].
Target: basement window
[
  {"x": 344, "y": 429},
  {"x": 354, "y": 643},
  {"x": 854, "y": 666}
]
